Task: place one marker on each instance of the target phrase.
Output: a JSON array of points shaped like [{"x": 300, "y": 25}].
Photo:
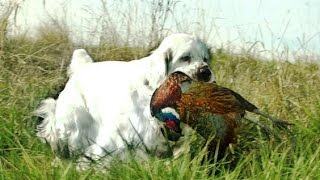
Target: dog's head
[{"x": 188, "y": 54}]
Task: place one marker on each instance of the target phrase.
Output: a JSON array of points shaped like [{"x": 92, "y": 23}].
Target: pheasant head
[{"x": 164, "y": 98}]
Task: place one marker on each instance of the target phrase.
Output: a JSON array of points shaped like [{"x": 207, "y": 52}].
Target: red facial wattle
[{"x": 172, "y": 125}]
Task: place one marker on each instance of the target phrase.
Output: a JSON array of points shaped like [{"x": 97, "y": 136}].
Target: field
[{"x": 34, "y": 68}]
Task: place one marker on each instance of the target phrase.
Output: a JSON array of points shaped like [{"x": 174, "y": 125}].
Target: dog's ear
[{"x": 167, "y": 60}]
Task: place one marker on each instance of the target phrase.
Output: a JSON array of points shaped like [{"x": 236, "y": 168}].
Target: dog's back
[{"x": 80, "y": 57}]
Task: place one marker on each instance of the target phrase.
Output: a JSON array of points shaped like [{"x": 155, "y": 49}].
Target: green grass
[{"x": 32, "y": 69}]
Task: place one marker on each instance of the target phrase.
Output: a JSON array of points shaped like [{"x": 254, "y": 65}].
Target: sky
[{"x": 283, "y": 28}]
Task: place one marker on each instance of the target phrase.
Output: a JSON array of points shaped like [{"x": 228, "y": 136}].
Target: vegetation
[{"x": 32, "y": 69}]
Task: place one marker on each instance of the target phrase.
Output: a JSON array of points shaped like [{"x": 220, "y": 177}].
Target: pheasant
[
  {"x": 211, "y": 110},
  {"x": 163, "y": 103}
]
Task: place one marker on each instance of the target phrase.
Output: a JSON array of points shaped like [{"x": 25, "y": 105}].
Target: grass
[{"x": 32, "y": 69}]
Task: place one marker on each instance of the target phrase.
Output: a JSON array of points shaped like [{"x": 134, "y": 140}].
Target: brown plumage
[
  {"x": 212, "y": 110},
  {"x": 169, "y": 92}
]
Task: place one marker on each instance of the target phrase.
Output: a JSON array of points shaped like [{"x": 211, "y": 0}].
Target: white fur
[
  {"x": 81, "y": 58},
  {"x": 170, "y": 110},
  {"x": 105, "y": 105}
]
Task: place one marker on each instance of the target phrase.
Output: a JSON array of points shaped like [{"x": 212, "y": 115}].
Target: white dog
[{"x": 104, "y": 108}]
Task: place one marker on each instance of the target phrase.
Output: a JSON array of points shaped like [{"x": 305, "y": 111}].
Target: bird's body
[{"x": 212, "y": 110}]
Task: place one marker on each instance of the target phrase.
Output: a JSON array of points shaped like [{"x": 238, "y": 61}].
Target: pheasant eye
[{"x": 186, "y": 58}]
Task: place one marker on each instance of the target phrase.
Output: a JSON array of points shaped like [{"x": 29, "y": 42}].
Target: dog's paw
[
  {"x": 83, "y": 164},
  {"x": 56, "y": 162}
]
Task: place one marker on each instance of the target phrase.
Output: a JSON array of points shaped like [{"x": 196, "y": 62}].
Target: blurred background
[{"x": 271, "y": 29}]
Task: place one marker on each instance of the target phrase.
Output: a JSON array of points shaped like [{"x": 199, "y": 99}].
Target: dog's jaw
[{"x": 193, "y": 71}]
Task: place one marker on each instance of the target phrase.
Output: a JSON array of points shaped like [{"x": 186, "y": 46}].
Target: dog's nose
[{"x": 204, "y": 74}]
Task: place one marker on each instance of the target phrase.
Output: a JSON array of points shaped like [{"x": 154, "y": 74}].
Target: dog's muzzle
[{"x": 204, "y": 74}]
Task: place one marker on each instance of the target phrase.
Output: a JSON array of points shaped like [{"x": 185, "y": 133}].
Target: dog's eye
[{"x": 186, "y": 58}]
